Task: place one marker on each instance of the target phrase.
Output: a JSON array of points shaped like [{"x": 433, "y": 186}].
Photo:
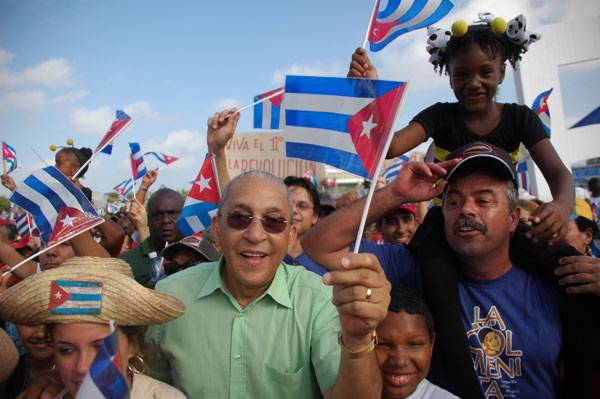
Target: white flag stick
[
  {"x": 270, "y": 96},
  {"x": 41, "y": 251},
  {"x": 99, "y": 150},
  {"x": 213, "y": 161},
  {"x": 39, "y": 156},
  {"x": 363, "y": 219},
  {"x": 373, "y": 13}
]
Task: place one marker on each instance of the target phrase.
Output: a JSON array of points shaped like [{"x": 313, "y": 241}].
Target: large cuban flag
[
  {"x": 402, "y": 16},
  {"x": 269, "y": 114},
  {"x": 60, "y": 210},
  {"x": 105, "y": 378},
  {"x": 540, "y": 107},
  {"x": 342, "y": 122},
  {"x": 202, "y": 201}
]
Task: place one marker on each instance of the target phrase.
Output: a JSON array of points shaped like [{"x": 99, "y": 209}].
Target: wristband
[{"x": 361, "y": 352}]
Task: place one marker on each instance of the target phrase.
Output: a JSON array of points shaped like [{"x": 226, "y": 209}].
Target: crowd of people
[{"x": 459, "y": 289}]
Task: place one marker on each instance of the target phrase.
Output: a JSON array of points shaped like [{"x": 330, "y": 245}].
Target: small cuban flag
[
  {"x": 162, "y": 158},
  {"x": 202, "y": 201},
  {"x": 269, "y": 114},
  {"x": 540, "y": 107},
  {"x": 122, "y": 120},
  {"x": 105, "y": 378},
  {"x": 75, "y": 297},
  {"x": 391, "y": 172},
  {"x": 342, "y": 122}
]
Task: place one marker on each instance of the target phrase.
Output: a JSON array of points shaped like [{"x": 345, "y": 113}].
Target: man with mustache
[{"x": 480, "y": 214}]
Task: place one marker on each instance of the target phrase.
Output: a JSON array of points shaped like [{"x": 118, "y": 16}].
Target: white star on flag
[
  {"x": 68, "y": 221},
  {"x": 203, "y": 183},
  {"x": 368, "y": 126},
  {"x": 58, "y": 295}
]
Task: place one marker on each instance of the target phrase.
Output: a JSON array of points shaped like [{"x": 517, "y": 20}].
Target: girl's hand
[
  {"x": 580, "y": 273},
  {"x": 549, "y": 223}
]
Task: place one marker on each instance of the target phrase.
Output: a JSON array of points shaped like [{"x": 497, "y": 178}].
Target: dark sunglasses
[{"x": 241, "y": 221}]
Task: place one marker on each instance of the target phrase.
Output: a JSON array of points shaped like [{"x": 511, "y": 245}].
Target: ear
[
  {"x": 432, "y": 343},
  {"x": 515, "y": 216},
  {"x": 589, "y": 236},
  {"x": 214, "y": 224},
  {"x": 315, "y": 219},
  {"x": 293, "y": 233},
  {"x": 502, "y": 71}
]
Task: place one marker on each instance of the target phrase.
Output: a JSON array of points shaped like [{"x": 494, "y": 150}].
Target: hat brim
[
  {"x": 499, "y": 161},
  {"x": 124, "y": 300}
]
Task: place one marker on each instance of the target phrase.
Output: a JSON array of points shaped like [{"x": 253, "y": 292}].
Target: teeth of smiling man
[
  {"x": 465, "y": 228},
  {"x": 399, "y": 379}
]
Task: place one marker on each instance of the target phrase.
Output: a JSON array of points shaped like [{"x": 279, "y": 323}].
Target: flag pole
[
  {"x": 270, "y": 96},
  {"x": 373, "y": 14},
  {"x": 98, "y": 151},
  {"x": 363, "y": 218},
  {"x": 38, "y": 155},
  {"x": 21, "y": 263}
]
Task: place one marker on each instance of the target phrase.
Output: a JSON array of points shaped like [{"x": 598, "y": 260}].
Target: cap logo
[
  {"x": 479, "y": 148},
  {"x": 75, "y": 297}
]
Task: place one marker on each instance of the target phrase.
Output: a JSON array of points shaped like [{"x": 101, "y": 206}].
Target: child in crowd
[
  {"x": 474, "y": 56},
  {"x": 405, "y": 346}
]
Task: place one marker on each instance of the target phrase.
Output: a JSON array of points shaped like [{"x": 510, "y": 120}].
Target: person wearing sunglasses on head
[
  {"x": 164, "y": 207},
  {"x": 269, "y": 329}
]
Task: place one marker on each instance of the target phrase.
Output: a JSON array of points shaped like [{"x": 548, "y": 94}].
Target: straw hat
[
  {"x": 87, "y": 290},
  {"x": 9, "y": 357}
]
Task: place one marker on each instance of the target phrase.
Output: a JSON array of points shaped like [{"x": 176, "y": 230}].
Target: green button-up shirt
[{"x": 282, "y": 345}]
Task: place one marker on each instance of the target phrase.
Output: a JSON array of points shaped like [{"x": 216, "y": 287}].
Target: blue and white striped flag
[
  {"x": 60, "y": 210},
  {"x": 391, "y": 172},
  {"x": 138, "y": 167},
  {"x": 341, "y": 122},
  {"x": 269, "y": 114},
  {"x": 22, "y": 225},
  {"x": 402, "y": 16}
]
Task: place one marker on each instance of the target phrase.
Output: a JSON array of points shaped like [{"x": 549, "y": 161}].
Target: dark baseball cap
[
  {"x": 202, "y": 245},
  {"x": 483, "y": 151}
]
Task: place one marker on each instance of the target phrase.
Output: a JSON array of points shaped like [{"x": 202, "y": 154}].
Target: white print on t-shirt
[{"x": 496, "y": 362}]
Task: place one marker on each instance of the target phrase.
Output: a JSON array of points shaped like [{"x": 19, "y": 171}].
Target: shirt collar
[{"x": 278, "y": 290}]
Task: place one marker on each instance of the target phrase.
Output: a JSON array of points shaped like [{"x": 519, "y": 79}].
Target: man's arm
[
  {"x": 221, "y": 127},
  {"x": 85, "y": 245},
  {"x": 361, "y": 293},
  {"x": 327, "y": 241},
  {"x": 147, "y": 181},
  {"x": 112, "y": 236}
]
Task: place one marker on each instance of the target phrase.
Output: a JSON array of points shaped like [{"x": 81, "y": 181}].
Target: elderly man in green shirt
[{"x": 258, "y": 328}]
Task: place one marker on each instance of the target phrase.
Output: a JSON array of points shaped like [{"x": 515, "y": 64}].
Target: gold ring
[{"x": 369, "y": 293}]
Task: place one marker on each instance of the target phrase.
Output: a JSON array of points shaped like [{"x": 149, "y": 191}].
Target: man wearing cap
[
  {"x": 264, "y": 329},
  {"x": 400, "y": 224},
  {"x": 480, "y": 214},
  {"x": 189, "y": 251}
]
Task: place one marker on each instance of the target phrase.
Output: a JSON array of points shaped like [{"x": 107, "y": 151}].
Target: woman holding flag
[{"x": 80, "y": 305}]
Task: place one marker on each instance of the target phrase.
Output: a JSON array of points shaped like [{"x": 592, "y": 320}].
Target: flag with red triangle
[
  {"x": 342, "y": 122},
  {"x": 202, "y": 201}
]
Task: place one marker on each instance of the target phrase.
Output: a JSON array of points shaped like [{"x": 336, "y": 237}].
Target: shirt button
[
  {"x": 237, "y": 357},
  {"x": 241, "y": 315}
]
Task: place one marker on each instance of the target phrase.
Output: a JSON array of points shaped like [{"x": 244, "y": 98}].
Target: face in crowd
[
  {"x": 76, "y": 345},
  {"x": 403, "y": 353},
  {"x": 183, "y": 258},
  {"x": 164, "y": 208},
  {"x": 34, "y": 340},
  {"x": 55, "y": 256},
  {"x": 253, "y": 230},
  {"x": 399, "y": 226},
  {"x": 478, "y": 216}
]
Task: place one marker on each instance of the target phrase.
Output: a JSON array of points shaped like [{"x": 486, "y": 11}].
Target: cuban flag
[
  {"x": 311, "y": 176},
  {"x": 138, "y": 167},
  {"x": 523, "y": 176},
  {"x": 162, "y": 158},
  {"x": 269, "y": 114},
  {"x": 402, "y": 16},
  {"x": 105, "y": 378},
  {"x": 121, "y": 121},
  {"x": 392, "y": 171},
  {"x": 9, "y": 156},
  {"x": 342, "y": 122},
  {"x": 22, "y": 223},
  {"x": 60, "y": 210},
  {"x": 540, "y": 107},
  {"x": 75, "y": 297},
  {"x": 202, "y": 201},
  {"x": 124, "y": 187}
]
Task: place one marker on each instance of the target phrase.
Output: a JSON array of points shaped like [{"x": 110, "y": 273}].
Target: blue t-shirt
[
  {"x": 304, "y": 260},
  {"x": 514, "y": 332},
  {"x": 516, "y": 317}
]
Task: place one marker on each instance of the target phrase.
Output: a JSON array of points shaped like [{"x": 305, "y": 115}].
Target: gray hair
[{"x": 255, "y": 174}]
